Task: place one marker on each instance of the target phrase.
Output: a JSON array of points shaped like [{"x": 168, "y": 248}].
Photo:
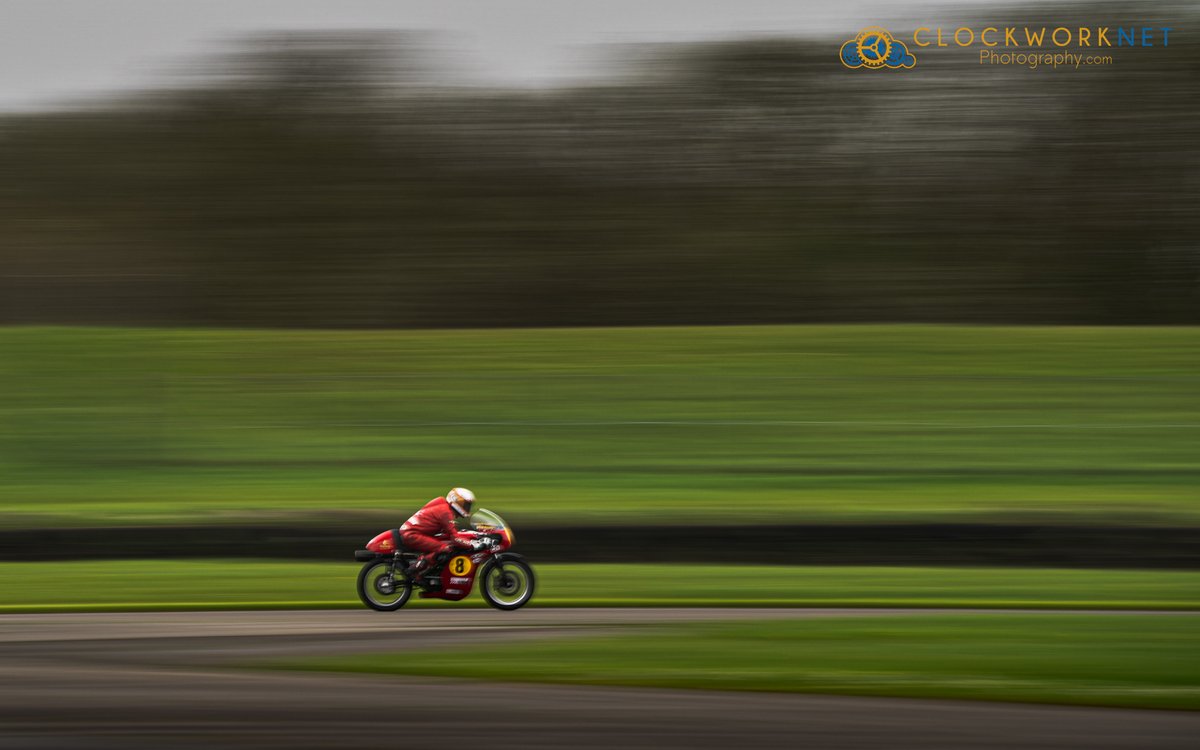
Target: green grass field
[
  {"x": 1103, "y": 660},
  {"x": 249, "y": 584},
  {"x": 680, "y": 425}
]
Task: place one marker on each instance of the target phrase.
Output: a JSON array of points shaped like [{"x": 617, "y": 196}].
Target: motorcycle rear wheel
[
  {"x": 380, "y": 590},
  {"x": 507, "y": 584}
]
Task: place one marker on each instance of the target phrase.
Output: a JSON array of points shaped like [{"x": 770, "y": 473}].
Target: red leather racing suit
[{"x": 431, "y": 530}]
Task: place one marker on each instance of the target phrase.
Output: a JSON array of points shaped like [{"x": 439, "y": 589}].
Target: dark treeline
[
  {"x": 1129, "y": 547},
  {"x": 339, "y": 180}
]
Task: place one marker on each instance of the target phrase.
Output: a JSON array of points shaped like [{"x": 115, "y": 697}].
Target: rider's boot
[{"x": 417, "y": 570}]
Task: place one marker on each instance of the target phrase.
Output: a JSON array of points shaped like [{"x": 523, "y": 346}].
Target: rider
[{"x": 431, "y": 530}]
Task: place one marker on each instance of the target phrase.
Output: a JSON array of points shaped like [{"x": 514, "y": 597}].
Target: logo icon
[{"x": 874, "y": 48}]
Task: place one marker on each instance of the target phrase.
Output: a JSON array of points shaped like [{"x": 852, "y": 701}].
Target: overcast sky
[{"x": 54, "y": 50}]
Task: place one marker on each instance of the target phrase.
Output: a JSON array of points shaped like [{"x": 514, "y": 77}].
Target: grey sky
[{"x": 54, "y": 50}]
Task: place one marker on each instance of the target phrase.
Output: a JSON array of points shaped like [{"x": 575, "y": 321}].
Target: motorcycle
[{"x": 506, "y": 579}]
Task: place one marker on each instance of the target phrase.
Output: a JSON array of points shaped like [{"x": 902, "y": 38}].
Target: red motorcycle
[{"x": 506, "y": 579}]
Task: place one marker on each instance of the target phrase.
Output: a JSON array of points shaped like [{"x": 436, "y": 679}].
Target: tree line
[{"x": 343, "y": 180}]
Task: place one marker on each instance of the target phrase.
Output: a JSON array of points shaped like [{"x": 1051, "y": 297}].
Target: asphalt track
[{"x": 167, "y": 680}]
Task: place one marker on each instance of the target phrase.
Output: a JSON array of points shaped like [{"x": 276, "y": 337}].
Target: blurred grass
[
  {"x": 792, "y": 423},
  {"x": 249, "y": 584},
  {"x": 1136, "y": 661}
]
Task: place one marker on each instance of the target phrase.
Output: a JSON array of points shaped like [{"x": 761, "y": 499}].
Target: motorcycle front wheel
[
  {"x": 507, "y": 584},
  {"x": 381, "y": 589}
]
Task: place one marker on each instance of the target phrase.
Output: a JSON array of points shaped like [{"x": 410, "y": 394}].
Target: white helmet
[{"x": 462, "y": 500}]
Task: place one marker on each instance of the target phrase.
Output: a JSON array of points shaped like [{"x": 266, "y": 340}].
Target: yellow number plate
[{"x": 461, "y": 565}]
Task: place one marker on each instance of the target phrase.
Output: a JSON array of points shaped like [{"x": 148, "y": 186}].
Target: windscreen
[{"x": 485, "y": 520}]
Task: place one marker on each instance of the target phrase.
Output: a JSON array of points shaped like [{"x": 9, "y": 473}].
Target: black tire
[
  {"x": 379, "y": 590},
  {"x": 507, "y": 584}
]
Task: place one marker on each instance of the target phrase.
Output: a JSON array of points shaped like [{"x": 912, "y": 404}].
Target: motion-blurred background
[
  {"x": 709, "y": 318},
  {"x": 285, "y": 282}
]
